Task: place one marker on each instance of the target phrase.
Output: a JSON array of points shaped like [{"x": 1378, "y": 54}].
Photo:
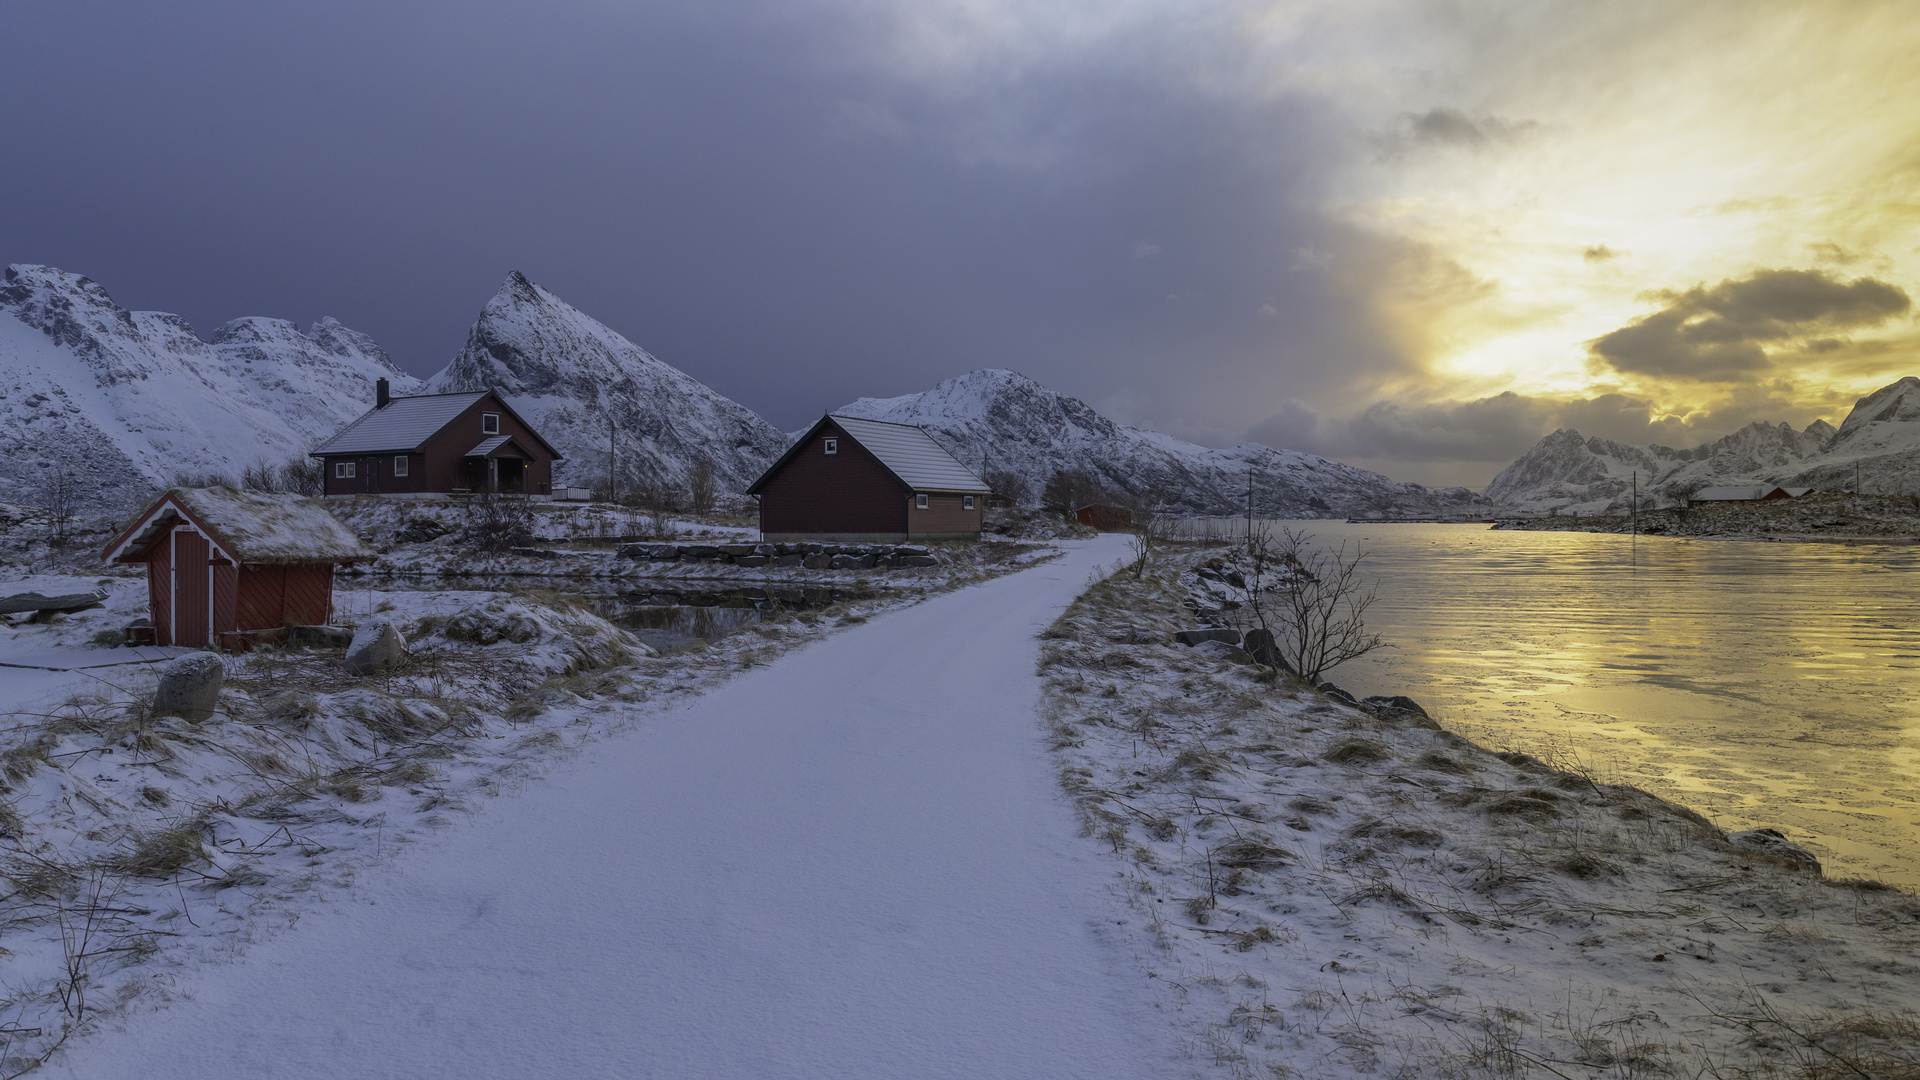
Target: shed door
[{"x": 192, "y": 588}]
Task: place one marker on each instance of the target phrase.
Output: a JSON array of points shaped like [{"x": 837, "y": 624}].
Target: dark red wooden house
[
  {"x": 438, "y": 444},
  {"x": 868, "y": 481},
  {"x": 225, "y": 565}
]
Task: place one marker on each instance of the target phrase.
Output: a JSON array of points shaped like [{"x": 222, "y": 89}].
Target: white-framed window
[
  {"x": 919, "y": 502},
  {"x": 966, "y": 502},
  {"x": 343, "y": 470},
  {"x": 489, "y": 423},
  {"x": 832, "y": 445},
  {"x": 399, "y": 464}
]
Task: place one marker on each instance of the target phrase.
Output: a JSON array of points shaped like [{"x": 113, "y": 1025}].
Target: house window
[
  {"x": 919, "y": 502},
  {"x": 400, "y": 465},
  {"x": 343, "y": 470},
  {"x": 832, "y": 445},
  {"x": 489, "y": 423},
  {"x": 966, "y": 502}
]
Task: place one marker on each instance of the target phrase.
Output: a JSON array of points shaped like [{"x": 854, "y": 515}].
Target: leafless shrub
[
  {"x": 295, "y": 476},
  {"x": 496, "y": 523},
  {"x": 702, "y": 487},
  {"x": 1311, "y": 601},
  {"x": 61, "y": 497},
  {"x": 1009, "y": 485}
]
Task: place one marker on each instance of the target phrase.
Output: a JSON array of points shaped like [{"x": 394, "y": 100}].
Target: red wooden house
[
  {"x": 224, "y": 565},
  {"x": 868, "y": 481},
  {"x": 438, "y": 444}
]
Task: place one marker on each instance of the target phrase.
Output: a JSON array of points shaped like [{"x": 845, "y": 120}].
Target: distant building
[
  {"x": 1105, "y": 518},
  {"x": 224, "y": 566},
  {"x": 867, "y": 481},
  {"x": 1748, "y": 493},
  {"x": 438, "y": 444}
]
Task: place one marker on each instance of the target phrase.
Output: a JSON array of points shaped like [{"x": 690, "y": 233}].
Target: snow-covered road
[{"x": 852, "y": 863}]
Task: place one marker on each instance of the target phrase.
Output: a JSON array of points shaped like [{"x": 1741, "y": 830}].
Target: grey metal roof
[
  {"x": 488, "y": 446},
  {"x": 910, "y": 454},
  {"x": 404, "y": 424}
]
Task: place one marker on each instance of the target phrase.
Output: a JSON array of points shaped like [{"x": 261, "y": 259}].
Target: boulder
[
  {"x": 1260, "y": 644},
  {"x": 189, "y": 687},
  {"x": 1396, "y": 701},
  {"x": 1774, "y": 844},
  {"x": 769, "y": 550},
  {"x": 1220, "y": 650},
  {"x": 1401, "y": 707},
  {"x": 737, "y": 550},
  {"x": 844, "y": 562},
  {"x": 869, "y": 560},
  {"x": 376, "y": 646},
  {"x": 419, "y": 530},
  {"x": 750, "y": 560},
  {"x": 701, "y": 552},
  {"x": 910, "y": 549},
  {"x": 790, "y": 559},
  {"x": 1333, "y": 691},
  {"x": 817, "y": 561},
  {"x": 320, "y": 637},
  {"x": 1206, "y": 633},
  {"x": 916, "y": 560},
  {"x": 49, "y": 605}
]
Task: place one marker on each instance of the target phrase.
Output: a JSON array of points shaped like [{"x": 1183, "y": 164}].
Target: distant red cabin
[
  {"x": 868, "y": 481},
  {"x": 225, "y": 565},
  {"x": 438, "y": 444},
  {"x": 1105, "y": 518}
]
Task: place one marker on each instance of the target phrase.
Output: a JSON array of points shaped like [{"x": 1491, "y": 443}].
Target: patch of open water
[{"x": 1771, "y": 684}]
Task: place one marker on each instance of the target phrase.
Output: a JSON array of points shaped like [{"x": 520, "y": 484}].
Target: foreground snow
[
  {"x": 852, "y": 862},
  {"x": 1330, "y": 890}
]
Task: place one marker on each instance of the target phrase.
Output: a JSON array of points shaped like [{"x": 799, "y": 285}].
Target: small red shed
[{"x": 223, "y": 563}]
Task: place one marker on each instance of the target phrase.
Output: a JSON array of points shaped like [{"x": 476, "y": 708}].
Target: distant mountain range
[
  {"x": 1877, "y": 446},
  {"x": 122, "y": 400},
  {"x": 581, "y": 383},
  {"x": 1000, "y": 420}
]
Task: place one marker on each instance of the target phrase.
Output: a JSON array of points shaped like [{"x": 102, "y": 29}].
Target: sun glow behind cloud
[{"x": 1543, "y": 175}]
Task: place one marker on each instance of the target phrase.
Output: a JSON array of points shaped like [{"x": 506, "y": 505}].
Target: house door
[{"x": 192, "y": 588}]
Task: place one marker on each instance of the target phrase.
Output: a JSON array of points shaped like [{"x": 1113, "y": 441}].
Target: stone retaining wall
[{"x": 808, "y": 556}]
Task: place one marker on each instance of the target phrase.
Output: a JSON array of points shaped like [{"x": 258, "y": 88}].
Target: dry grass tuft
[{"x": 1358, "y": 752}]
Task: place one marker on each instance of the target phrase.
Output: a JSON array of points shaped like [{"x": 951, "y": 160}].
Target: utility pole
[
  {"x": 1636, "y": 503},
  {"x": 610, "y": 492},
  {"x": 1249, "y": 507}
]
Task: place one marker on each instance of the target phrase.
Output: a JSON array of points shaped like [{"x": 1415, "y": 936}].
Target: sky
[{"x": 1415, "y": 237}]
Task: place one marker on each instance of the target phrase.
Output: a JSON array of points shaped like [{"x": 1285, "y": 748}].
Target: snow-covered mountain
[
  {"x": 124, "y": 400},
  {"x": 1880, "y": 439},
  {"x": 578, "y": 381},
  {"x": 1003, "y": 421}
]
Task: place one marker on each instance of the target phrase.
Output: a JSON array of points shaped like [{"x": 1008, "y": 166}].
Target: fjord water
[{"x": 1762, "y": 684}]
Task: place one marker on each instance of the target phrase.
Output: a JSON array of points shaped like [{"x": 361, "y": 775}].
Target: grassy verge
[{"x": 1320, "y": 889}]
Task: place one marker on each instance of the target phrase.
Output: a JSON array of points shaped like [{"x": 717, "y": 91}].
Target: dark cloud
[
  {"x": 1721, "y": 334},
  {"x": 1599, "y": 253},
  {"x": 726, "y": 184},
  {"x": 1451, "y": 127}
]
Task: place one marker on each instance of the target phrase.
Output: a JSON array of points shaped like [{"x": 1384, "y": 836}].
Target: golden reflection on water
[{"x": 1760, "y": 683}]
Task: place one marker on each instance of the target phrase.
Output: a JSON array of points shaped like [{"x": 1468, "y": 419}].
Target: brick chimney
[{"x": 380, "y": 395}]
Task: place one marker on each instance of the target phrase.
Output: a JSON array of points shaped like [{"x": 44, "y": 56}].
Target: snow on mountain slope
[
  {"x": 573, "y": 379},
  {"x": 1881, "y": 437},
  {"x": 124, "y": 400},
  {"x": 1003, "y": 421}
]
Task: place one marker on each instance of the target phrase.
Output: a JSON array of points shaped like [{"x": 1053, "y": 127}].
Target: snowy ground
[
  {"x": 167, "y": 842},
  {"x": 1323, "y": 890},
  {"x": 852, "y": 862}
]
